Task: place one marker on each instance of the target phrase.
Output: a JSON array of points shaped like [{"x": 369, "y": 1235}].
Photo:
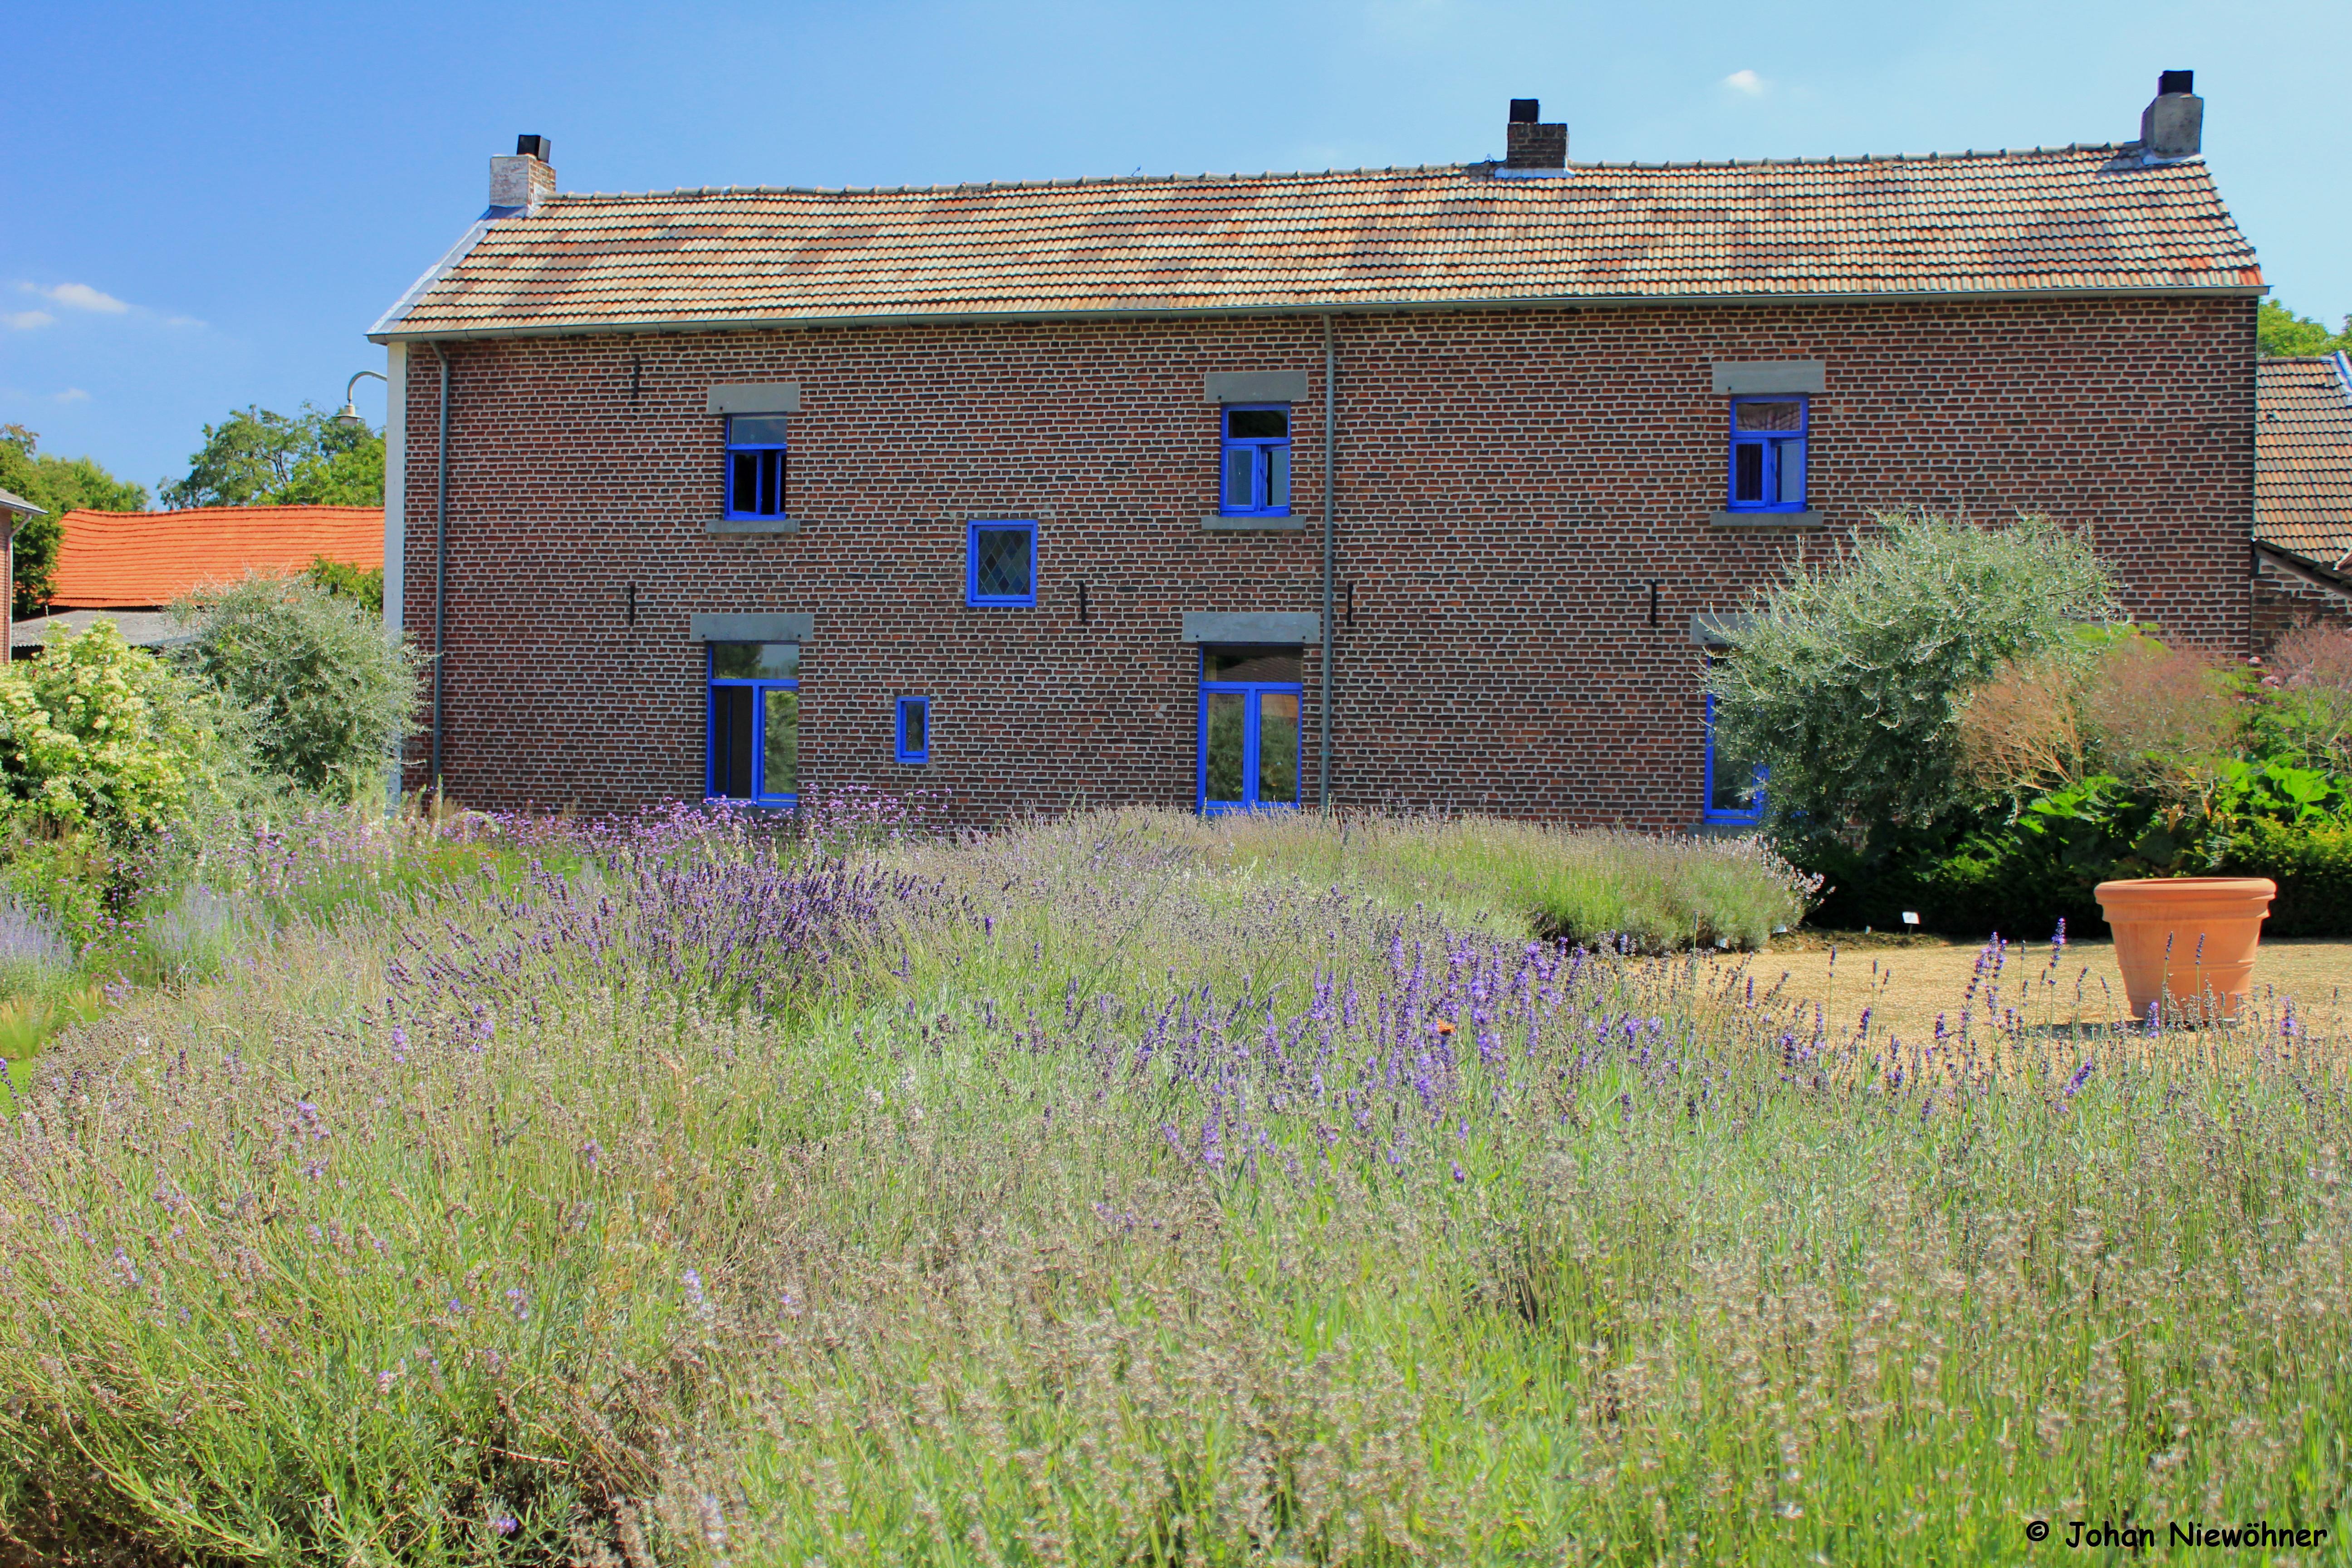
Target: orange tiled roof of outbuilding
[{"x": 141, "y": 560}]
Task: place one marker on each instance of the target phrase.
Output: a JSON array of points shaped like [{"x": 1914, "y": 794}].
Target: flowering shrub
[{"x": 96, "y": 734}]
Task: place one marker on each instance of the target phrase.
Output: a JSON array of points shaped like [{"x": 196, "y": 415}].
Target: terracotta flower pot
[{"x": 2181, "y": 938}]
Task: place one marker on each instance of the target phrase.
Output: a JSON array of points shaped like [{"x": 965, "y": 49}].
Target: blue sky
[{"x": 207, "y": 205}]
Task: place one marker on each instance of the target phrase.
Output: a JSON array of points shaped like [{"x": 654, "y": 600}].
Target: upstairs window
[
  {"x": 755, "y": 722},
  {"x": 755, "y": 465},
  {"x": 1256, "y": 461},
  {"x": 1767, "y": 454},
  {"x": 1001, "y": 564}
]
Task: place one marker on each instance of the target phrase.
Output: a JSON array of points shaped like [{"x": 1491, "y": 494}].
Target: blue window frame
[
  {"x": 1249, "y": 729},
  {"x": 914, "y": 730},
  {"x": 1767, "y": 454},
  {"x": 755, "y": 465},
  {"x": 1734, "y": 788},
  {"x": 1256, "y": 479},
  {"x": 1001, "y": 564},
  {"x": 755, "y": 722}
]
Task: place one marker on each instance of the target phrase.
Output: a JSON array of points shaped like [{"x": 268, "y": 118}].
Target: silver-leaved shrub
[
  {"x": 332, "y": 693},
  {"x": 1852, "y": 675}
]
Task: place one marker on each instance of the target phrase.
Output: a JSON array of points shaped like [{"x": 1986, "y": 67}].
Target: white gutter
[{"x": 395, "y": 514}]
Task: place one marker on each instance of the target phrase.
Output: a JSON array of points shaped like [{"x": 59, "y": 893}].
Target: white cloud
[
  {"x": 1745, "y": 82},
  {"x": 181, "y": 321},
  {"x": 25, "y": 321},
  {"x": 71, "y": 394},
  {"x": 82, "y": 297}
]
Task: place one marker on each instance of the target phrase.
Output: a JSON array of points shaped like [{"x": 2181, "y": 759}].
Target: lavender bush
[{"x": 1098, "y": 1193}]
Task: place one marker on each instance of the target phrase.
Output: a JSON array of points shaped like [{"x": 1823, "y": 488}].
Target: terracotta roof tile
[
  {"x": 140, "y": 559},
  {"x": 2075, "y": 218},
  {"x": 2302, "y": 456}
]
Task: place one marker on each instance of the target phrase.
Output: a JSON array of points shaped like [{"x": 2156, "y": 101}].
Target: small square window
[
  {"x": 1767, "y": 454},
  {"x": 1255, "y": 476},
  {"x": 1001, "y": 564},
  {"x": 914, "y": 730},
  {"x": 755, "y": 465}
]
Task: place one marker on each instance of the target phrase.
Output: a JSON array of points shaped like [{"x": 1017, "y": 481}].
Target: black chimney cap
[
  {"x": 538, "y": 147},
  {"x": 2175, "y": 82},
  {"x": 1523, "y": 112}
]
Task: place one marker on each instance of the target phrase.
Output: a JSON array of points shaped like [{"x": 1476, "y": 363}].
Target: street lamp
[{"x": 349, "y": 418}]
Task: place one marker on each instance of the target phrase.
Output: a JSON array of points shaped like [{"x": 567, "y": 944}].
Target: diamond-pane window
[{"x": 1002, "y": 563}]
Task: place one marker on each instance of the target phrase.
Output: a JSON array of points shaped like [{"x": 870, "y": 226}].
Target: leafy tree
[
  {"x": 257, "y": 458},
  {"x": 1850, "y": 678},
  {"x": 60, "y": 485},
  {"x": 346, "y": 581},
  {"x": 2280, "y": 332},
  {"x": 332, "y": 693}
]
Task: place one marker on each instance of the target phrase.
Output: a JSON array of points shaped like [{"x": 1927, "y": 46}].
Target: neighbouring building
[
  {"x": 2303, "y": 496},
  {"x": 127, "y": 566},
  {"x": 1422, "y": 488}
]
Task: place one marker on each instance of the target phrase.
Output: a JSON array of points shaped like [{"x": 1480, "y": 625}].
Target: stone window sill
[
  {"x": 1765, "y": 520},
  {"x": 752, "y": 525},
  {"x": 1254, "y": 525}
]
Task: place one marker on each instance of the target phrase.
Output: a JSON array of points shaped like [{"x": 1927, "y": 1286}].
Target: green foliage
[
  {"x": 346, "y": 581},
  {"x": 333, "y": 693},
  {"x": 97, "y": 736},
  {"x": 60, "y": 485},
  {"x": 2310, "y": 864},
  {"x": 257, "y": 458},
  {"x": 1851, "y": 676},
  {"x": 2281, "y": 333},
  {"x": 2020, "y": 873}
]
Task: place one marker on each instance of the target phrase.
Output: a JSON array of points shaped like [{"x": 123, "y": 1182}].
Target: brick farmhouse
[{"x": 1426, "y": 488}]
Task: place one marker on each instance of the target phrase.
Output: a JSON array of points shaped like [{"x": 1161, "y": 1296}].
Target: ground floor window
[
  {"x": 1249, "y": 728},
  {"x": 1734, "y": 786},
  {"x": 755, "y": 722}
]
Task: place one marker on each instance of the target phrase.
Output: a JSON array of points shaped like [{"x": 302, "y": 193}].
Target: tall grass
[{"x": 1108, "y": 1193}]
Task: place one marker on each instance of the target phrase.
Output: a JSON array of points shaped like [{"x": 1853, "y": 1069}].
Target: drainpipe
[
  {"x": 1330, "y": 444},
  {"x": 440, "y": 569}
]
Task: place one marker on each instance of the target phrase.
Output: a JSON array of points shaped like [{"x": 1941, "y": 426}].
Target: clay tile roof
[
  {"x": 2072, "y": 217},
  {"x": 144, "y": 560},
  {"x": 2302, "y": 456}
]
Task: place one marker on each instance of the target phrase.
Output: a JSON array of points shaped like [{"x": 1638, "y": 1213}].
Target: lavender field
[{"x": 1128, "y": 1189}]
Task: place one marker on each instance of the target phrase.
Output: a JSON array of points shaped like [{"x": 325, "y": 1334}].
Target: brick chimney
[
  {"x": 1529, "y": 146},
  {"x": 526, "y": 180},
  {"x": 2174, "y": 125}
]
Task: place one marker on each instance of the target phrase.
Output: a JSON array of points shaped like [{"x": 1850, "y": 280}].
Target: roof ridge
[{"x": 1475, "y": 166}]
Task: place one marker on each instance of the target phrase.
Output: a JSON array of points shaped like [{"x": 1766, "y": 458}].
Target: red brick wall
[
  {"x": 2282, "y": 602},
  {"x": 1509, "y": 484}
]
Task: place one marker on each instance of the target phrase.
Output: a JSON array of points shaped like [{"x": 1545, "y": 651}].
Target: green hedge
[
  {"x": 2020, "y": 874},
  {"x": 2312, "y": 866}
]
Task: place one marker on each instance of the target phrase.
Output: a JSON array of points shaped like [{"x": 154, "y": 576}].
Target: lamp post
[{"x": 349, "y": 418}]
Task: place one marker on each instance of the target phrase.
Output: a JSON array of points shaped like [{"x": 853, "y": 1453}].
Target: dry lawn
[{"x": 1908, "y": 984}]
